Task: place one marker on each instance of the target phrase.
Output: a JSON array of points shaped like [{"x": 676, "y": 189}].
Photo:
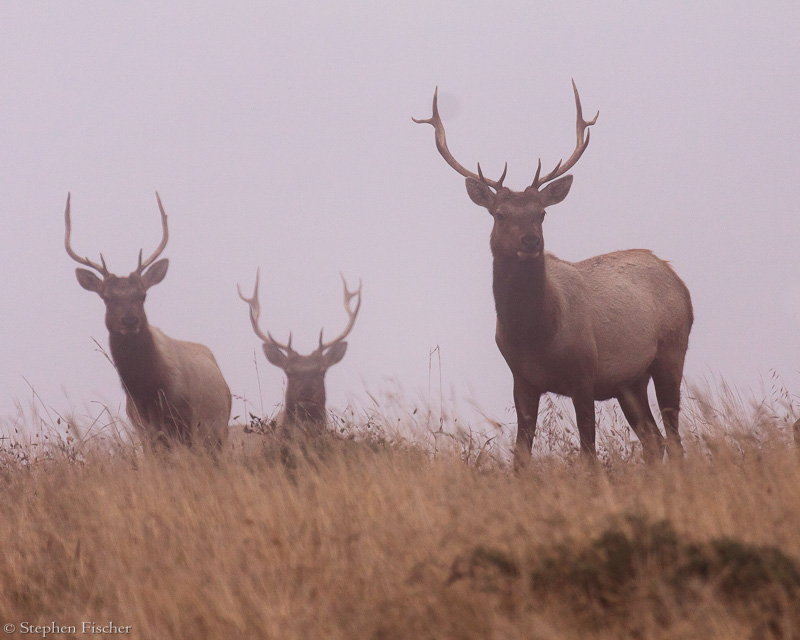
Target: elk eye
[{"x": 499, "y": 217}]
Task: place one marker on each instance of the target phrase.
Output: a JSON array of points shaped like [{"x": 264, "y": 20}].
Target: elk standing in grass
[
  {"x": 591, "y": 330},
  {"x": 304, "y": 404},
  {"x": 175, "y": 390}
]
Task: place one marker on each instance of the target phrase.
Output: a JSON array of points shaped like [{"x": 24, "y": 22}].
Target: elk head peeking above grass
[
  {"x": 175, "y": 390},
  {"x": 591, "y": 330},
  {"x": 304, "y": 404}
]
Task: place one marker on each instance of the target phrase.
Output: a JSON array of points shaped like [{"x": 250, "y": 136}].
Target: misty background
[{"x": 279, "y": 136}]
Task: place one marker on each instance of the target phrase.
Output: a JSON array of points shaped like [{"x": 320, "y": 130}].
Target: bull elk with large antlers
[
  {"x": 304, "y": 404},
  {"x": 591, "y": 330},
  {"x": 175, "y": 389}
]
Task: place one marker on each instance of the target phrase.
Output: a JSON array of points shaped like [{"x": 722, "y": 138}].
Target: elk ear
[
  {"x": 89, "y": 280},
  {"x": 275, "y": 356},
  {"x": 480, "y": 193},
  {"x": 334, "y": 354},
  {"x": 155, "y": 273},
  {"x": 556, "y": 191}
]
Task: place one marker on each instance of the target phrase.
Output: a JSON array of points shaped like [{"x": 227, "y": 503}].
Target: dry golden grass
[{"x": 339, "y": 538}]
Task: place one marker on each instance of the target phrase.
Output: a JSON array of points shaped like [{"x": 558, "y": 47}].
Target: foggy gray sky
[{"x": 280, "y": 136}]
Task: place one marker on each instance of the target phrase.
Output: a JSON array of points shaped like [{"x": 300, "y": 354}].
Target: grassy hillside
[{"x": 376, "y": 538}]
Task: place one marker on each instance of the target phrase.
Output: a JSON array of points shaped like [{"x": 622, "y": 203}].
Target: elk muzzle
[
  {"x": 531, "y": 247},
  {"x": 129, "y": 324}
]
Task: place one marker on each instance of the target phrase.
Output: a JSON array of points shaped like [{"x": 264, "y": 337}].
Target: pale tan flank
[
  {"x": 591, "y": 330},
  {"x": 196, "y": 392},
  {"x": 175, "y": 390}
]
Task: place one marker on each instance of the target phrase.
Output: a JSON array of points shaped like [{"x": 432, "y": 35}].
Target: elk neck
[
  {"x": 139, "y": 364},
  {"x": 524, "y": 298},
  {"x": 306, "y": 412}
]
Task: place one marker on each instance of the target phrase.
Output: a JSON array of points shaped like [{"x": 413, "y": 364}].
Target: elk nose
[
  {"x": 530, "y": 242},
  {"x": 130, "y": 322}
]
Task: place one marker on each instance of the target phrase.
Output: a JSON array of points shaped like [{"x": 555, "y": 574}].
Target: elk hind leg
[
  {"x": 667, "y": 375},
  {"x": 635, "y": 407}
]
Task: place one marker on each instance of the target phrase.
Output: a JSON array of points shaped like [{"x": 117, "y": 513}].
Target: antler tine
[
  {"x": 538, "y": 171},
  {"x": 164, "y": 237},
  {"x": 351, "y": 313},
  {"x": 502, "y": 177},
  {"x": 255, "y": 313},
  {"x": 441, "y": 144},
  {"x": 491, "y": 183},
  {"x": 286, "y": 347},
  {"x": 581, "y": 127},
  {"x": 101, "y": 268}
]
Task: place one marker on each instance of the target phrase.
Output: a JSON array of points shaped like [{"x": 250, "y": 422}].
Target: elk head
[
  {"x": 123, "y": 295},
  {"x": 518, "y": 215},
  {"x": 305, "y": 374}
]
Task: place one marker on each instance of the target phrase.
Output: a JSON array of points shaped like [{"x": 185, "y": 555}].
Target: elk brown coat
[
  {"x": 591, "y": 330},
  {"x": 175, "y": 390},
  {"x": 304, "y": 401}
]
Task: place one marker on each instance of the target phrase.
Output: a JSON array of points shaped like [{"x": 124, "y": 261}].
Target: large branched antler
[
  {"x": 560, "y": 169},
  {"x": 164, "y": 237},
  {"x": 351, "y": 314},
  {"x": 581, "y": 126},
  {"x": 101, "y": 268},
  {"x": 441, "y": 145},
  {"x": 255, "y": 312}
]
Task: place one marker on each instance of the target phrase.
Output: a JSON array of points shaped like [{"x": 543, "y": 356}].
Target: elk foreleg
[
  {"x": 526, "y": 402},
  {"x": 584, "y": 418}
]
